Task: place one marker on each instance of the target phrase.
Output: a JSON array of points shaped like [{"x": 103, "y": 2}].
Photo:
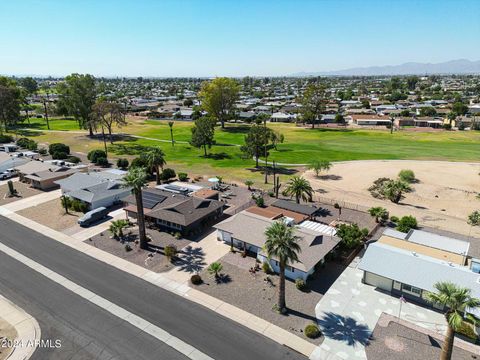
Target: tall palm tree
[
  {"x": 300, "y": 188},
  {"x": 283, "y": 245},
  {"x": 457, "y": 300},
  {"x": 170, "y": 125},
  {"x": 156, "y": 160},
  {"x": 136, "y": 178}
]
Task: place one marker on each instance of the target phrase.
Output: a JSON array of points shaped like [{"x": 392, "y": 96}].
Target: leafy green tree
[
  {"x": 283, "y": 245},
  {"x": 428, "y": 111},
  {"x": 459, "y": 108},
  {"x": 473, "y": 220},
  {"x": 320, "y": 165},
  {"x": 203, "y": 133},
  {"x": 406, "y": 223},
  {"x": 379, "y": 213},
  {"x": 136, "y": 179},
  {"x": 351, "y": 235},
  {"x": 456, "y": 300},
  {"x": 107, "y": 114},
  {"x": 168, "y": 174},
  {"x": 412, "y": 82},
  {"x": 339, "y": 119},
  {"x": 77, "y": 94},
  {"x": 299, "y": 188},
  {"x": 170, "y": 125},
  {"x": 218, "y": 98},
  {"x": 122, "y": 163},
  {"x": 10, "y": 101},
  {"x": 314, "y": 102},
  {"x": 155, "y": 159},
  {"x": 249, "y": 184},
  {"x": 95, "y": 155}
]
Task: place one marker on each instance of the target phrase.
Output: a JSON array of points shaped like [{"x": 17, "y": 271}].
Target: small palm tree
[
  {"x": 249, "y": 183},
  {"x": 393, "y": 190},
  {"x": 457, "y": 300},
  {"x": 155, "y": 159},
  {"x": 136, "y": 179},
  {"x": 282, "y": 244},
  {"x": 116, "y": 228},
  {"x": 215, "y": 268},
  {"x": 379, "y": 213},
  {"x": 65, "y": 203},
  {"x": 300, "y": 188},
  {"x": 473, "y": 220}
]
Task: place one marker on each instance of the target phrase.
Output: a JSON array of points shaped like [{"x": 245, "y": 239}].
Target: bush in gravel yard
[
  {"x": 182, "y": 176},
  {"x": 73, "y": 159},
  {"x": 78, "y": 206},
  {"x": 407, "y": 175},
  {"x": 170, "y": 251},
  {"x": 406, "y": 223},
  {"x": 167, "y": 174},
  {"x": 128, "y": 248},
  {"x": 94, "y": 155},
  {"x": 122, "y": 163},
  {"x": 300, "y": 284},
  {"x": 42, "y": 151},
  {"x": 5, "y": 139},
  {"x": 196, "y": 279},
  {"x": 394, "y": 219},
  {"x": 266, "y": 268},
  {"x": 101, "y": 161},
  {"x": 27, "y": 143},
  {"x": 312, "y": 331},
  {"x": 58, "y": 148},
  {"x": 59, "y": 155}
]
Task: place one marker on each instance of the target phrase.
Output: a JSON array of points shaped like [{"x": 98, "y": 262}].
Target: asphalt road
[
  {"x": 200, "y": 327},
  {"x": 85, "y": 330}
]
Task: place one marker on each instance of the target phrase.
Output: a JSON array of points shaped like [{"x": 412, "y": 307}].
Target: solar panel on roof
[{"x": 151, "y": 199}]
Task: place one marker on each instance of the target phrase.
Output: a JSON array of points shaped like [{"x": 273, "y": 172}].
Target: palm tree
[
  {"x": 379, "y": 213},
  {"x": 155, "y": 159},
  {"x": 215, "y": 269},
  {"x": 282, "y": 244},
  {"x": 136, "y": 178},
  {"x": 116, "y": 228},
  {"x": 473, "y": 220},
  {"x": 393, "y": 190},
  {"x": 249, "y": 183},
  {"x": 457, "y": 300},
  {"x": 170, "y": 125},
  {"x": 65, "y": 203},
  {"x": 300, "y": 188}
]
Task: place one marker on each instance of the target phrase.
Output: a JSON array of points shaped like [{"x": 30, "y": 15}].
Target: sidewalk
[
  {"x": 32, "y": 201},
  {"x": 28, "y": 330},
  {"x": 178, "y": 287}
]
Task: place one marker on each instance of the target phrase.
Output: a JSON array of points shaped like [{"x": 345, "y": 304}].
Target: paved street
[{"x": 199, "y": 327}]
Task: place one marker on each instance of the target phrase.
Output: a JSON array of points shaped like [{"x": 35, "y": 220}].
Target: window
[{"x": 411, "y": 290}]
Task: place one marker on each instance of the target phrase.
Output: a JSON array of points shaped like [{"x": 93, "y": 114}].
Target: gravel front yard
[
  {"x": 257, "y": 296},
  {"x": 51, "y": 214},
  {"x": 24, "y": 191},
  {"x": 152, "y": 259},
  {"x": 7, "y": 332}
]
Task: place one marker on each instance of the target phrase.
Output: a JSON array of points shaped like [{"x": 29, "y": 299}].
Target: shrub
[
  {"x": 167, "y": 174},
  {"x": 394, "y": 219},
  {"x": 312, "y": 331},
  {"x": 407, "y": 175},
  {"x": 78, "y": 206},
  {"x": 42, "y": 151},
  {"x": 59, "y": 155},
  {"x": 73, "y": 159},
  {"x": 177, "y": 235},
  {"x": 266, "y": 268},
  {"x": 128, "y": 248},
  {"x": 122, "y": 163},
  {"x": 196, "y": 279},
  {"x": 259, "y": 201},
  {"x": 139, "y": 162},
  {"x": 406, "y": 223},
  {"x": 351, "y": 235},
  {"x": 102, "y": 161},
  {"x": 27, "y": 143},
  {"x": 182, "y": 176},
  {"x": 5, "y": 139},
  {"x": 58, "y": 148},
  {"x": 94, "y": 155},
  {"x": 170, "y": 251},
  {"x": 300, "y": 284}
]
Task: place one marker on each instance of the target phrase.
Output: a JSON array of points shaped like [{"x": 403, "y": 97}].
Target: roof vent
[{"x": 414, "y": 253}]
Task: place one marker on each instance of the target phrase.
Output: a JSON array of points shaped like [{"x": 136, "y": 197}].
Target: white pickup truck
[{"x": 7, "y": 174}]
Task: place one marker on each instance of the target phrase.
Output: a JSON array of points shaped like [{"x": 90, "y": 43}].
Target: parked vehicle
[
  {"x": 93, "y": 216},
  {"x": 7, "y": 174}
]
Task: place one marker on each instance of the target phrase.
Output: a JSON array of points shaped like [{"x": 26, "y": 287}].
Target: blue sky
[{"x": 230, "y": 37}]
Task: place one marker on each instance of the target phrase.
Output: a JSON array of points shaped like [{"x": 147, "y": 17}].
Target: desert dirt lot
[
  {"x": 443, "y": 197},
  {"x": 51, "y": 214},
  {"x": 24, "y": 191}
]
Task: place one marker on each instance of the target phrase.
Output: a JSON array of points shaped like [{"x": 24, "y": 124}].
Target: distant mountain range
[{"x": 460, "y": 66}]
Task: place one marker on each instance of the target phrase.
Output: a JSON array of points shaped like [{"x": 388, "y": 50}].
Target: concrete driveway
[{"x": 349, "y": 311}]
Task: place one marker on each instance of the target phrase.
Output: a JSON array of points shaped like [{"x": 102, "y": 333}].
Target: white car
[{"x": 7, "y": 174}]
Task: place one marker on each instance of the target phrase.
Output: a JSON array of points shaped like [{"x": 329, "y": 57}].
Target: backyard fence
[{"x": 343, "y": 204}]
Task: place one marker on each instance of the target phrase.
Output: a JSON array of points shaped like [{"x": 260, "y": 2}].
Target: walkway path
[
  {"x": 28, "y": 330},
  {"x": 32, "y": 201},
  {"x": 349, "y": 311}
]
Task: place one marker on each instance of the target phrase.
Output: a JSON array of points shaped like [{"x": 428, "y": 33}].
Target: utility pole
[{"x": 266, "y": 152}]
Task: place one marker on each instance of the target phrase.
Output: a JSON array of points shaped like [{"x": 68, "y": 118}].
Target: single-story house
[
  {"x": 11, "y": 162},
  {"x": 42, "y": 175},
  {"x": 175, "y": 211},
  {"x": 411, "y": 264},
  {"x": 428, "y": 122},
  {"x": 369, "y": 120},
  {"x": 8, "y": 148},
  {"x": 246, "y": 230},
  {"x": 282, "y": 117},
  {"x": 404, "y": 121},
  {"x": 96, "y": 189}
]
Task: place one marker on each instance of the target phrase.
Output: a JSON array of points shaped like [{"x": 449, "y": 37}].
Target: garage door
[{"x": 378, "y": 281}]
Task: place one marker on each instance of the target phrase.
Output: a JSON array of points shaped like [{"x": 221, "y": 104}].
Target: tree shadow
[
  {"x": 299, "y": 314},
  {"x": 346, "y": 329},
  {"x": 128, "y": 149},
  {"x": 191, "y": 259},
  {"x": 242, "y": 129},
  {"x": 223, "y": 279},
  {"x": 218, "y": 156},
  {"x": 330, "y": 177},
  {"x": 29, "y": 133}
]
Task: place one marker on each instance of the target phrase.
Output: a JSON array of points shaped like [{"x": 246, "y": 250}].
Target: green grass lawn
[
  {"x": 56, "y": 123},
  {"x": 301, "y": 145}
]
